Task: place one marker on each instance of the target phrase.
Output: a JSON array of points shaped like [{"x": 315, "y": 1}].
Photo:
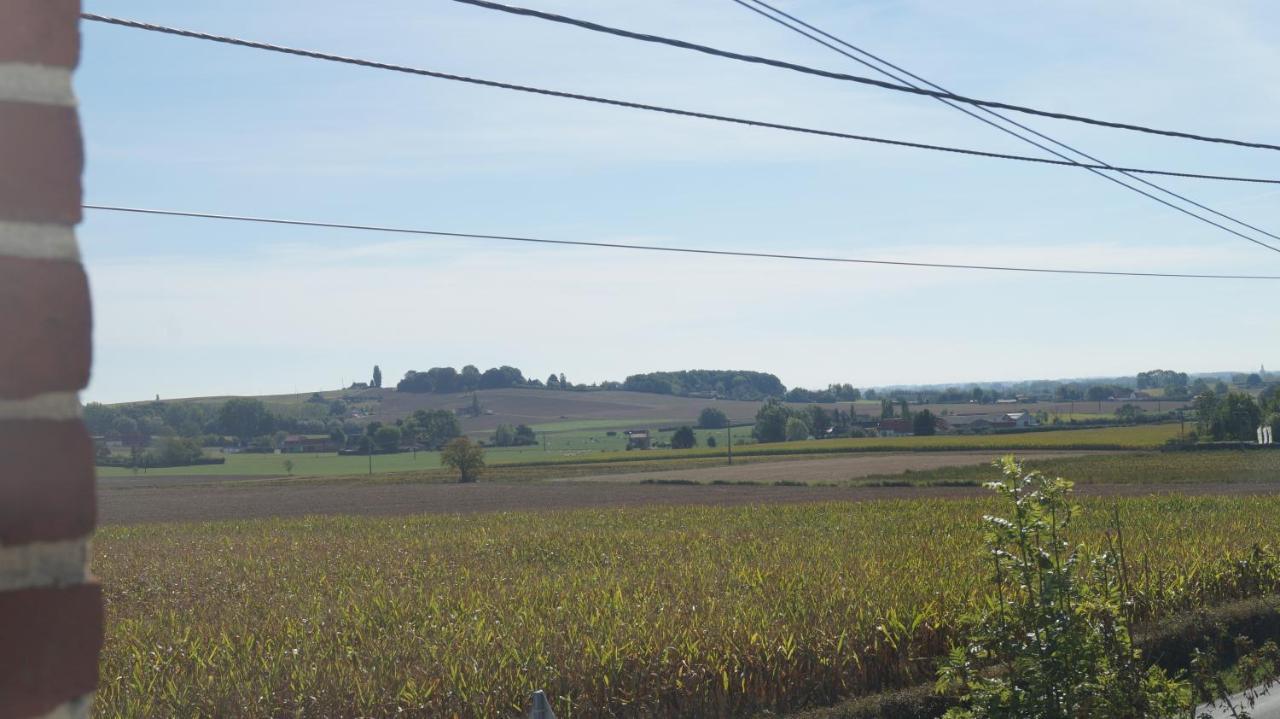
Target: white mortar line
[
  {"x": 38, "y": 241},
  {"x": 43, "y": 564},
  {"x": 77, "y": 708},
  {"x": 51, "y": 405},
  {"x": 37, "y": 84}
]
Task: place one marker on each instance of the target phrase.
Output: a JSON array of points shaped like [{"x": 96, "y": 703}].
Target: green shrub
[{"x": 1054, "y": 641}]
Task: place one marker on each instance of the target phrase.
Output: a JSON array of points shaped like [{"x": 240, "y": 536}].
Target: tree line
[
  {"x": 1236, "y": 416},
  {"x": 729, "y": 384},
  {"x": 444, "y": 380}
]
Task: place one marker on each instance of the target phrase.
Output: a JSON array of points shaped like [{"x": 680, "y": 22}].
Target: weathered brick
[
  {"x": 49, "y": 644},
  {"x": 45, "y": 324},
  {"x": 46, "y": 481},
  {"x": 43, "y": 32},
  {"x": 40, "y": 162}
]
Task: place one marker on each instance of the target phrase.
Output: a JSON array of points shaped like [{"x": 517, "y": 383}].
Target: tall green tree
[
  {"x": 1237, "y": 419},
  {"x": 436, "y": 426},
  {"x": 818, "y": 420},
  {"x": 245, "y": 418},
  {"x": 377, "y": 377},
  {"x": 924, "y": 423},
  {"x": 683, "y": 438},
  {"x": 504, "y": 435},
  {"x": 713, "y": 418},
  {"x": 387, "y": 439},
  {"x": 771, "y": 422},
  {"x": 797, "y": 429},
  {"x": 469, "y": 378}
]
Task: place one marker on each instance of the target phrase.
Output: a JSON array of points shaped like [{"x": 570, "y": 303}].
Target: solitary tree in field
[
  {"x": 683, "y": 438},
  {"x": 465, "y": 456},
  {"x": 713, "y": 418},
  {"x": 377, "y": 377}
]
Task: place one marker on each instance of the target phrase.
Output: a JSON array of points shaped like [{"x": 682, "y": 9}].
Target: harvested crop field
[
  {"x": 834, "y": 469},
  {"x": 211, "y": 502},
  {"x": 652, "y": 612}
]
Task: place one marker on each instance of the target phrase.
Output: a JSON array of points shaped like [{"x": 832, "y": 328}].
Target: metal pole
[{"x": 541, "y": 707}]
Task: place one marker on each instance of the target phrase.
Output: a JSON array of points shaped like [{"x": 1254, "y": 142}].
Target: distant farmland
[
  {"x": 575, "y": 447},
  {"x": 623, "y": 410}
]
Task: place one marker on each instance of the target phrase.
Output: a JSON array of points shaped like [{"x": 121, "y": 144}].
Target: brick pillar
[{"x": 50, "y": 610}]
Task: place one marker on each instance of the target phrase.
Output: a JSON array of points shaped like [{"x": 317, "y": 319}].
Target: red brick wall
[{"x": 50, "y": 609}]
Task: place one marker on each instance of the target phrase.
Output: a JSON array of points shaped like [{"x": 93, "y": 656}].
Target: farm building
[
  {"x": 638, "y": 439},
  {"x": 1018, "y": 420},
  {"x": 979, "y": 423},
  {"x": 896, "y": 427},
  {"x": 297, "y": 444}
]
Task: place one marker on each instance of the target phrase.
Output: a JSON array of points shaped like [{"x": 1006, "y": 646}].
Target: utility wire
[
  {"x": 1095, "y": 169},
  {"x": 636, "y": 105},
  {"x": 663, "y": 248},
  {"x": 644, "y": 37}
]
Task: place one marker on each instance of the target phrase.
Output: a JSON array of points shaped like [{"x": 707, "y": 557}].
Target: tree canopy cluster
[
  {"x": 1163, "y": 379},
  {"x": 833, "y": 393},
  {"x": 442, "y": 380},
  {"x": 729, "y": 384},
  {"x": 240, "y": 417},
  {"x": 776, "y": 422},
  {"x": 1236, "y": 416},
  {"x": 518, "y": 436},
  {"x": 712, "y": 418}
]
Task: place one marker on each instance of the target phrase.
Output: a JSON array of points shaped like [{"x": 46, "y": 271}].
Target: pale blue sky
[{"x": 186, "y": 307}]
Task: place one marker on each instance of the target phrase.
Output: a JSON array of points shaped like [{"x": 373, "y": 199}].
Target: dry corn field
[{"x": 680, "y": 612}]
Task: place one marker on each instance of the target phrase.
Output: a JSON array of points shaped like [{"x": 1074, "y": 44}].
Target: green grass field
[
  {"x": 574, "y": 447},
  {"x": 680, "y": 612}
]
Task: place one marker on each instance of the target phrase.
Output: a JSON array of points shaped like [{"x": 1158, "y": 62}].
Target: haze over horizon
[{"x": 187, "y": 307}]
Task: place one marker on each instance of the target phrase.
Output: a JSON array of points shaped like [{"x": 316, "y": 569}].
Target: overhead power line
[
  {"x": 644, "y": 37},
  {"x": 801, "y": 27},
  {"x": 637, "y": 105},
  {"x": 667, "y": 248}
]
